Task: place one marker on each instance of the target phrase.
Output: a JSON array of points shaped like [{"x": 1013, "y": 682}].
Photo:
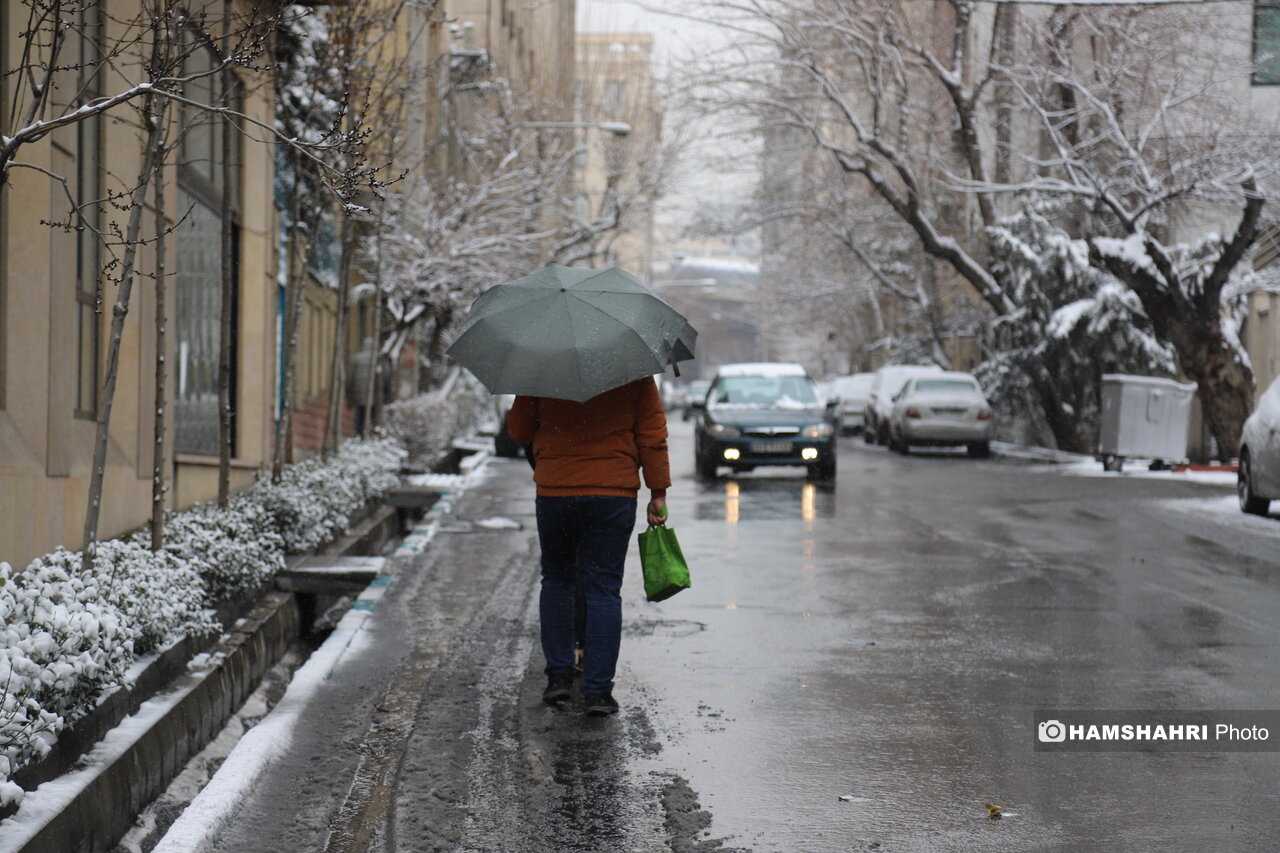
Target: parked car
[
  {"x": 1258, "y": 473},
  {"x": 503, "y": 443},
  {"x": 674, "y": 393},
  {"x": 693, "y": 396},
  {"x": 852, "y": 393},
  {"x": 764, "y": 414},
  {"x": 941, "y": 409},
  {"x": 885, "y": 385}
]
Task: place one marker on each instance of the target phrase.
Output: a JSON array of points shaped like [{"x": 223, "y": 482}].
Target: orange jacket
[{"x": 597, "y": 447}]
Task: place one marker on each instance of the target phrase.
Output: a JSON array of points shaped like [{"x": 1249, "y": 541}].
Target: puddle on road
[{"x": 764, "y": 499}]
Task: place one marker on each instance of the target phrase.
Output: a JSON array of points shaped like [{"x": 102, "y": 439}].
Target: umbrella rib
[
  {"x": 630, "y": 330},
  {"x": 616, "y": 320}
]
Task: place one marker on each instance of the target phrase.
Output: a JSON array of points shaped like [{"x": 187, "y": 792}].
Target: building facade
[{"x": 57, "y": 290}]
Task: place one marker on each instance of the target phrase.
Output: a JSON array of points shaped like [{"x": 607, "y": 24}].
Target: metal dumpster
[{"x": 1144, "y": 416}]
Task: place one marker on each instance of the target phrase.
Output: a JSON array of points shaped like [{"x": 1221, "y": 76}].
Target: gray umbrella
[{"x": 570, "y": 333}]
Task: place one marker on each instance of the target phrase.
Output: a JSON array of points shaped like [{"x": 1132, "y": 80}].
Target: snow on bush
[
  {"x": 67, "y": 636},
  {"x": 158, "y": 598},
  {"x": 236, "y": 550},
  {"x": 426, "y": 424},
  {"x": 315, "y": 499},
  {"x": 62, "y": 643}
]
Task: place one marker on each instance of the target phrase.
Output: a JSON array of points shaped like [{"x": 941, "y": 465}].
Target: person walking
[
  {"x": 588, "y": 458},
  {"x": 359, "y": 381}
]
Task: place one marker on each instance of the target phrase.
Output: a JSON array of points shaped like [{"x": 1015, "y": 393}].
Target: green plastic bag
[{"x": 665, "y": 571}]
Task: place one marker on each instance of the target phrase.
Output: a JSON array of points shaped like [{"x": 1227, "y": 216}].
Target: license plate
[
  {"x": 949, "y": 412},
  {"x": 771, "y": 447}
]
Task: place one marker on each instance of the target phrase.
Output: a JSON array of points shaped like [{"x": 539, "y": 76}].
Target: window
[
  {"x": 88, "y": 183},
  {"x": 202, "y": 192},
  {"x": 612, "y": 104},
  {"x": 1266, "y": 42}
]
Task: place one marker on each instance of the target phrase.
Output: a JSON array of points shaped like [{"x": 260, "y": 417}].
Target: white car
[
  {"x": 503, "y": 443},
  {"x": 1258, "y": 474},
  {"x": 885, "y": 385},
  {"x": 852, "y": 393},
  {"x": 941, "y": 409}
]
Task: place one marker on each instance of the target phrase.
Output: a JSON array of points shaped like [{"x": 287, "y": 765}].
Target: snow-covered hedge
[
  {"x": 426, "y": 424},
  {"x": 314, "y": 500},
  {"x": 66, "y": 637},
  {"x": 237, "y": 549}
]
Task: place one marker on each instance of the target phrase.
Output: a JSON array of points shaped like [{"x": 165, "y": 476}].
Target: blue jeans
[{"x": 587, "y": 533}]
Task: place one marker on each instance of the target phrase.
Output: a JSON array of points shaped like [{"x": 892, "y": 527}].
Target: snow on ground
[
  {"x": 1225, "y": 510},
  {"x": 1138, "y": 469},
  {"x": 217, "y": 804}
]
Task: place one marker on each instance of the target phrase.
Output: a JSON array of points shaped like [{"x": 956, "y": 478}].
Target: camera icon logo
[{"x": 1051, "y": 731}]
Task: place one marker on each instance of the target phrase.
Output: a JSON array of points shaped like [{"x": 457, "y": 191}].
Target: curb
[
  {"x": 90, "y": 808},
  {"x": 198, "y": 828}
]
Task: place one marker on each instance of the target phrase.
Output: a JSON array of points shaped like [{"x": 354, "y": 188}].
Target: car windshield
[{"x": 772, "y": 392}]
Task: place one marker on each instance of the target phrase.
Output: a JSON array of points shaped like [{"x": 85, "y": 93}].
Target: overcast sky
[{"x": 711, "y": 181}]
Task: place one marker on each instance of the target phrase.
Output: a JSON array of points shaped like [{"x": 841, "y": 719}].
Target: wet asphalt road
[
  {"x": 891, "y": 637},
  {"x": 886, "y": 639}
]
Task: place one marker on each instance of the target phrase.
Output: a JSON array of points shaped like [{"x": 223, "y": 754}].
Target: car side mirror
[{"x": 832, "y": 402}]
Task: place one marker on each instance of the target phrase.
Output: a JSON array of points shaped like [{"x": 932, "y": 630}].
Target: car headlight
[
  {"x": 723, "y": 431},
  {"x": 816, "y": 431}
]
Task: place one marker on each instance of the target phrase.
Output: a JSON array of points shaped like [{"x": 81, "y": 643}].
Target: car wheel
[
  {"x": 504, "y": 445},
  {"x": 823, "y": 470},
  {"x": 869, "y": 434},
  {"x": 980, "y": 449},
  {"x": 705, "y": 466},
  {"x": 1249, "y": 501}
]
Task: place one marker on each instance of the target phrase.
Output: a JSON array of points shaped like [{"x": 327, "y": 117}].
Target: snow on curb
[
  {"x": 41, "y": 806},
  {"x": 214, "y": 807}
]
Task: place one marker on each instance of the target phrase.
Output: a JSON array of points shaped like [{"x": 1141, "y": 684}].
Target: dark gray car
[{"x": 764, "y": 414}]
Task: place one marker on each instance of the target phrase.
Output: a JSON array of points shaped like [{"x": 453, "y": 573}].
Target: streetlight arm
[{"x": 617, "y": 128}]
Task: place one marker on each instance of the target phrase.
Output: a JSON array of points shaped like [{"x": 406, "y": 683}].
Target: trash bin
[{"x": 1144, "y": 416}]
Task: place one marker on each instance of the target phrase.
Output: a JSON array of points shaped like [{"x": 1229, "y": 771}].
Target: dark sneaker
[
  {"x": 599, "y": 704},
  {"x": 559, "y": 689}
]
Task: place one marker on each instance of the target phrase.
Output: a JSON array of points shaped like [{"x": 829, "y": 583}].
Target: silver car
[
  {"x": 941, "y": 409},
  {"x": 885, "y": 385},
  {"x": 853, "y": 393},
  {"x": 1258, "y": 477}
]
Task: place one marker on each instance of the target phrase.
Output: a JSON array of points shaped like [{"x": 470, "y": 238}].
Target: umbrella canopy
[{"x": 570, "y": 333}]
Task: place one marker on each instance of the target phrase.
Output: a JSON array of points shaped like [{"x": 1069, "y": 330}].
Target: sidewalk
[
  {"x": 341, "y": 730},
  {"x": 419, "y": 725}
]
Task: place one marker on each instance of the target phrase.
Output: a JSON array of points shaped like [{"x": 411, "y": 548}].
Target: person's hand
[{"x": 657, "y": 508}]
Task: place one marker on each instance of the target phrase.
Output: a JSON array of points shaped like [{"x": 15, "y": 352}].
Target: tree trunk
[
  {"x": 226, "y": 343},
  {"x": 1065, "y": 425},
  {"x": 1226, "y": 387},
  {"x": 337, "y": 385},
  {"x": 374, "y": 402},
  {"x": 161, "y": 392},
  {"x": 111, "y": 370},
  {"x": 1204, "y": 354}
]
